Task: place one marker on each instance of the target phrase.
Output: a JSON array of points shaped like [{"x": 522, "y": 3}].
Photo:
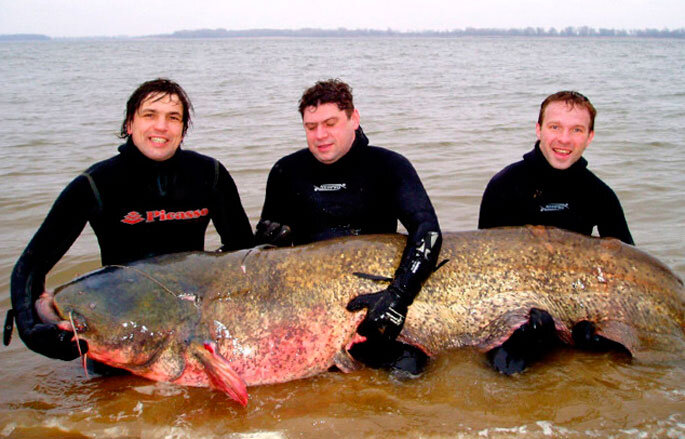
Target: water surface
[{"x": 459, "y": 109}]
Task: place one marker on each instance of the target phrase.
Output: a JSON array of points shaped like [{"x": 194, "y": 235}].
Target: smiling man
[
  {"x": 552, "y": 186},
  {"x": 340, "y": 186},
  {"x": 152, "y": 198}
]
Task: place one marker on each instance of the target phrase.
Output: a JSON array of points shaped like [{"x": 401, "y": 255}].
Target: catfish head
[
  {"x": 127, "y": 317},
  {"x": 132, "y": 319}
]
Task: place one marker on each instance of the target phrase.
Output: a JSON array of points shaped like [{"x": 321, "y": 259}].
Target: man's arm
[
  {"x": 494, "y": 206},
  {"x": 228, "y": 216},
  {"x": 62, "y": 226},
  {"x": 424, "y": 238},
  {"x": 387, "y": 309},
  {"x": 612, "y": 222},
  {"x": 274, "y": 224}
]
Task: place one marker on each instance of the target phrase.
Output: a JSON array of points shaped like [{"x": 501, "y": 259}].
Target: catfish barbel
[{"x": 259, "y": 316}]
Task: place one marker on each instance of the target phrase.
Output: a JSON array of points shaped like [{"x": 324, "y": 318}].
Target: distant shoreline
[{"x": 568, "y": 32}]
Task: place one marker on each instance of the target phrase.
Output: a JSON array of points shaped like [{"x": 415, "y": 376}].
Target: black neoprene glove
[
  {"x": 386, "y": 312},
  {"x": 271, "y": 232},
  {"x": 45, "y": 338},
  {"x": 387, "y": 309}
]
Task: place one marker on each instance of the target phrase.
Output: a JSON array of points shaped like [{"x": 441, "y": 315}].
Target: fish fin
[
  {"x": 344, "y": 361},
  {"x": 443, "y": 262},
  {"x": 375, "y": 277},
  {"x": 620, "y": 333},
  {"x": 498, "y": 331},
  {"x": 221, "y": 376}
]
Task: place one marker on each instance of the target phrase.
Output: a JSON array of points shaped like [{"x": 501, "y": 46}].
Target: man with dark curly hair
[{"x": 340, "y": 186}]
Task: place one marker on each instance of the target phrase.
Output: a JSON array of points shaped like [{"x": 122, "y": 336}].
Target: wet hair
[
  {"x": 572, "y": 99},
  {"x": 326, "y": 92},
  {"x": 160, "y": 86}
]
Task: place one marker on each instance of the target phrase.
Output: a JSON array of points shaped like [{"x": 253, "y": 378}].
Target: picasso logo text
[{"x": 162, "y": 215}]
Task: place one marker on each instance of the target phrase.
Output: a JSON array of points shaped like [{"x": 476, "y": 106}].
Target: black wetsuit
[
  {"x": 533, "y": 192},
  {"x": 137, "y": 208},
  {"x": 366, "y": 191}
]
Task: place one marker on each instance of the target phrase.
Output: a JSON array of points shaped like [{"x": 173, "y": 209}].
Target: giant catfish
[{"x": 258, "y": 316}]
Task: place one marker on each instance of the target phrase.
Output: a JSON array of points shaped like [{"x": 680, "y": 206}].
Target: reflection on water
[
  {"x": 572, "y": 395},
  {"x": 459, "y": 109}
]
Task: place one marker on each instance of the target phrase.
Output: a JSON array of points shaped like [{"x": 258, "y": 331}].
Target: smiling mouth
[
  {"x": 158, "y": 140},
  {"x": 562, "y": 151}
]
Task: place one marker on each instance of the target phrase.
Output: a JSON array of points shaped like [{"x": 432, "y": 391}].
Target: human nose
[
  {"x": 161, "y": 124},
  {"x": 320, "y": 132}
]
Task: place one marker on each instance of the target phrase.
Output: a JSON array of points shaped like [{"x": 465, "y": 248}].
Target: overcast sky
[{"x": 77, "y": 18}]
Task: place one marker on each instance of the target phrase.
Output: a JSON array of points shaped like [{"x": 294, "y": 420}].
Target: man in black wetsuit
[
  {"x": 152, "y": 198},
  {"x": 552, "y": 186},
  {"x": 342, "y": 186}
]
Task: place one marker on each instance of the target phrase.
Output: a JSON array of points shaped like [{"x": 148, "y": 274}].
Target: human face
[
  {"x": 330, "y": 132},
  {"x": 157, "y": 126},
  {"x": 564, "y": 134}
]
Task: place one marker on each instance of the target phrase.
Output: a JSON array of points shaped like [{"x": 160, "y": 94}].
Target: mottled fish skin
[{"x": 279, "y": 314}]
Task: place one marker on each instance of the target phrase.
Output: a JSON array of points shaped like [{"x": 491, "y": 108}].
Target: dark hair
[
  {"x": 163, "y": 87},
  {"x": 572, "y": 99},
  {"x": 326, "y": 92}
]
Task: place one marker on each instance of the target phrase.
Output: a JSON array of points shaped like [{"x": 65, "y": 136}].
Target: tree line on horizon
[{"x": 570, "y": 31}]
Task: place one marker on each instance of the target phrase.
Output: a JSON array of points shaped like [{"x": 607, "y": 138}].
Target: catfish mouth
[
  {"x": 78, "y": 322},
  {"x": 72, "y": 321}
]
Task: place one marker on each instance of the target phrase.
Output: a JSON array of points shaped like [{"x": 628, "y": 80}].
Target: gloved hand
[
  {"x": 46, "y": 338},
  {"x": 386, "y": 313},
  {"x": 271, "y": 232}
]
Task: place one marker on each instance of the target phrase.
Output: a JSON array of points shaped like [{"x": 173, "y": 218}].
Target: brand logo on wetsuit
[
  {"x": 554, "y": 207},
  {"x": 162, "y": 215},
  {"x": 330, "y": 187}
]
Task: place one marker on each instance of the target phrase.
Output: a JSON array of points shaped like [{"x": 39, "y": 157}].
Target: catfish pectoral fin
[
  {"x": 221, "y": 376},
  {"x": 608, "y": 335},
  {"x": 344, "y": 361},
  {"x": 586, "y": 337}
]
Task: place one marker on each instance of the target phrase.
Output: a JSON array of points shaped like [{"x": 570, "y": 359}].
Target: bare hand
[{"x": 45, "y": 307}]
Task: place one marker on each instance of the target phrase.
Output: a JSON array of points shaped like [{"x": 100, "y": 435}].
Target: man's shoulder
[
  {"x": 104, "y": 166},
  {"x": 379, "y": 155},
  {"x": 296, "y": 159},
  {"x": 513, "y": 171},
  {"x": 189, "y": 156},
  {"x": 595, "y": 185}
]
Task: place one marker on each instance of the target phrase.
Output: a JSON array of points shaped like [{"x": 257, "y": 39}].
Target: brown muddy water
[{"x": 459, "y": 109}]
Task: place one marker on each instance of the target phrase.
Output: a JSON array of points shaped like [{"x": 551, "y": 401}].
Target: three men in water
[
  {"x": 552, "y": 186},
  {"x": 340, "y": 186},
  {"x": 152, "y": 198}
]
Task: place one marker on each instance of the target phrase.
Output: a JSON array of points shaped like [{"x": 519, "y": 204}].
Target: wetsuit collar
[
  {"x": 536, "y": 159},
  {"x": 360, "y": 139}
]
